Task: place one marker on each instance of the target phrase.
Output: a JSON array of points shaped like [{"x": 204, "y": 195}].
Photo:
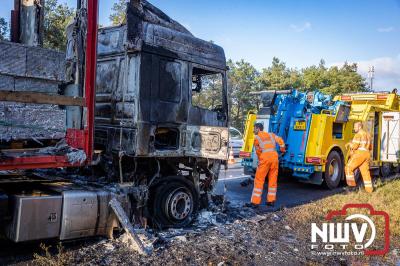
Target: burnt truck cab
[
  {"x": 163, "y": 88},
  {"x": 161, "y": 110}
]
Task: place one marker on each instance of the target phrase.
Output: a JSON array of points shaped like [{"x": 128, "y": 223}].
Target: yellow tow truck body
[
  {"x": 248, "y": 137},
  {"x": 326, "y": 134},
  {"x": 328, "y": 131},
  {"x": 378, "y": 111}
]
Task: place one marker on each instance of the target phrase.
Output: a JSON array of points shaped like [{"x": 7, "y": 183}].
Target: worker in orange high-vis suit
[
  {"x": 359, "y": 157},
  {"x": 268, "y": 164}
]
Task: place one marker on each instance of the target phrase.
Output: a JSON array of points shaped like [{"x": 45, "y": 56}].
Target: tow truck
[{"x": 316, "y": 128}]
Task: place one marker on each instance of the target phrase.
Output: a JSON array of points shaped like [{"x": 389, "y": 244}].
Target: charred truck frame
[
  {"x": 149, "y": 130},
  {"x": 149, "y": 115}
]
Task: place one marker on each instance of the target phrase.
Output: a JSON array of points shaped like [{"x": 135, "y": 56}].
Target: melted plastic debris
[{"x": 76, "y": 156}]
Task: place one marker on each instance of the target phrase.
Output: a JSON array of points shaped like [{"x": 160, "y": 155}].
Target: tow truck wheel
[
  {"x": 175, "y": 204},
  {"x": 385, "y": 170},
  {"x": 396, "y": 168},
  {"x": 333, "y": 170}
]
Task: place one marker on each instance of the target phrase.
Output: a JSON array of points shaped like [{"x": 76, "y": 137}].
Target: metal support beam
[
  {"x": 90, "y": 73},
  {"x": 31, "y": 22},
  {"x": 15, "y": 21},
  {"x": 124, "y": 220}
]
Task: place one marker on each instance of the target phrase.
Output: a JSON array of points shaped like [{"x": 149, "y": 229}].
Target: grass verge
[{"x": 386, "y": 197}]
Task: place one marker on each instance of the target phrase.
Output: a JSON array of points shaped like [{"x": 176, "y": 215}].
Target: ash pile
[{"x": 223, "y": 234}]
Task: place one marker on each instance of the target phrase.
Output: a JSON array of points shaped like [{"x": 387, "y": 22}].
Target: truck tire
[
  {"x": 385, "y": 170},
  {"x": 333, "y": 170},
  {"x": 175, "y": 204},
  {"x": 396, "y": 168}
]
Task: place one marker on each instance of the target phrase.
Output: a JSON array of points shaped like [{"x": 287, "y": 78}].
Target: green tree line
[
  {"x": 4, "y": 31},
  {"x": 244, "y": 78}
]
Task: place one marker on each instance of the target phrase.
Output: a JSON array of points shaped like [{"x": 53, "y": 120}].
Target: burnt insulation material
[
  {"x": 23, "y": 61},
  {"x": 31, "y": 69},
  {"x": 31, "y": 121}
]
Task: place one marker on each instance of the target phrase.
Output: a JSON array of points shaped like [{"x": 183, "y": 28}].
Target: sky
[{"x": 299, "y": 32}]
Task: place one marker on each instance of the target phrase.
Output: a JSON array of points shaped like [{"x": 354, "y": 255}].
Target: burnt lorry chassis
[{"x": 161, "y": 118}]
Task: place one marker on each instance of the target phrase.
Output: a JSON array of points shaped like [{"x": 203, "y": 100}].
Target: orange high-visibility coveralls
[
  {"x": 359, "y": 158},
  {"x": 268, "y": 164}
]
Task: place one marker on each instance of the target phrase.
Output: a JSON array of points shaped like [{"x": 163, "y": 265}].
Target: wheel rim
[
  {"x": 333, "y": 170},
  {"x": 179, "y": 205}
]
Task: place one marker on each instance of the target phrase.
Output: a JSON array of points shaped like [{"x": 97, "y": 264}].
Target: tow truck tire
[
  {"x": 333, "y": 170},
  {"x": 396, "y": 168},
  {"x": 385, "y": 170},
  {"x": 175, "y": 203}
]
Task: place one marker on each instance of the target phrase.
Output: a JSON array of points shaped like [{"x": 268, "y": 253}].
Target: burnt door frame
[
  {"x": 195, "y": 113},
  {"x": 376, "y": 137},
  {"x": 174, "y": 109}
]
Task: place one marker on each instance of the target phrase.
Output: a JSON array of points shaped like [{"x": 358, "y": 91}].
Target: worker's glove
[{"x": 347, "y": 146}]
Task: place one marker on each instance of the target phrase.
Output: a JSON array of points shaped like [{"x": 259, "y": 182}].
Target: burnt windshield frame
[{"x": 211, "y": 70}]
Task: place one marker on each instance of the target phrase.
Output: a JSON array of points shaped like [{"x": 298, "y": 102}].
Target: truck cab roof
[{"x": 149, "y": 29}]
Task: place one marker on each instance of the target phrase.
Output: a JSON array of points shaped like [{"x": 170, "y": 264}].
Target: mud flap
[{"x": 316, "y": 178}]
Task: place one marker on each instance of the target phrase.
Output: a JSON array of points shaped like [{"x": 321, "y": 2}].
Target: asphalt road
[{"x": 290, "y": 192}]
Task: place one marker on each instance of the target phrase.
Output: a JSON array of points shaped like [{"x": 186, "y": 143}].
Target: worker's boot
[
  {"x": 271, "y": 204},
  {"x": 251, "y": 205}
]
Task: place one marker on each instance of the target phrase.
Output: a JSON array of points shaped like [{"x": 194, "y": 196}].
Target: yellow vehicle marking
[{"x": 300, "y": 125}]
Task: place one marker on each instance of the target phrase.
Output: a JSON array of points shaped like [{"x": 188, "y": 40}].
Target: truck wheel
[
  {"x": 333, "y": 170},
  {"x": 175, "y": 204},
  {"x": 385, "y": 170},
  {"x": 396, "y": 168}
]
